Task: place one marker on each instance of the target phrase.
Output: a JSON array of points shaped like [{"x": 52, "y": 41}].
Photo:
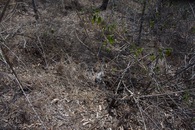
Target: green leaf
[
  {"x": 111, "y": 39},
  {"x": 160, "y": 53},
  {"x": 94, "y": 19},
  {"x": 152, "y": 57},
  {"x": 108, "y": 50},
  {"x": 139, "y": 51},
  {"x": 168, "y": 51},
  {"x": 111, "y": 27},
  {"x": 151, "y": 23},
  {"x": 99, "y": 20},
  {"x": 186, "y": 96},
  {"x": 193, "y": 30},
  {"x": 157, "y": 14}
]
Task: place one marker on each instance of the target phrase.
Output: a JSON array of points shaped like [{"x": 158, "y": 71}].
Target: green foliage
[
  {"x": 136, "y": 50},
  {"x": 157, "y": 14},
  {"x": 151, "y": 23},
  {"x": 193, "y": 119},
  {"x": 186, "y": 97},
  {"x": 168, "y": 51},
  {"x": 107, "y": 49},
  {"x": 152, "y": 57},
  {"x": 111, "y": 39},
  {"x": 193, "y": 30},
  {"x": 110, "y": 27},
  {"x": 114, "y": 69},
  {"x": 157, "y": 69},
  {"x": 107, "y": 30},
  {"x": 96, "y": 18},
  {"x": 99, "y": 20},
  {"x": 164, "y": 52}
]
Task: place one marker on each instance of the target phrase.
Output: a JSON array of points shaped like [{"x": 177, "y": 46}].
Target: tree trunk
[{"x": 104, "y": 5}]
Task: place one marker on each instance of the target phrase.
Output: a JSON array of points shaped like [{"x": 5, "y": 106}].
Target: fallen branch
[{"x": 165, "y": 94}]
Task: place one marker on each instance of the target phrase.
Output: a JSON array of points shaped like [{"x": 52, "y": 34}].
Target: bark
[{"x": 104, "y": 5}]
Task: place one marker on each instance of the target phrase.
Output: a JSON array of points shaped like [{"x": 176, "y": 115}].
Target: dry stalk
[
  {"x": 165, "y": 94},
  {"x": 140, "y": 110},
  {"x": 83, "y": 43},
  {"x": 4, "y": 9},
  {"x": 123, "y": 74},
  {"x": 192, "y": 9},
  {"x": 20, "y": 85},
  {"x": 6, "y": 59},
  {"x": 43, "y": 52}
]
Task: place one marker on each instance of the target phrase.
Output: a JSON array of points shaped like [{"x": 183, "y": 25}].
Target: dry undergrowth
[{"x": 73, "y": 81}]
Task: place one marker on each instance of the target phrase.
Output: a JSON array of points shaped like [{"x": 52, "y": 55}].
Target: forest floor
[{"x": 70, "y": 78}]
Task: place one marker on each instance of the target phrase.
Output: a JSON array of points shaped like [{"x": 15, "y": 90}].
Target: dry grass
[{"x": 75, "y": 80}]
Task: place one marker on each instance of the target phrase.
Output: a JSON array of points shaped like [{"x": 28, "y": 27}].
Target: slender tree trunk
[
  {"x": 104, "y": 5},
  {"x": 141, "y": 24}
]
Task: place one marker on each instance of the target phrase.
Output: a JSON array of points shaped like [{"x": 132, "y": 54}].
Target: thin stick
[
  {"x": 20, "y": 85},
  {"x": 4, "y": 9},
  {"x": 6, "y": 59},
  {"x": 35, "y": 9},
  {"x": 192, "y": 9},
  {"x": 121, "y": 78},
  {"x": 165, "y": 94},
  {"x": 140, "y": 110},
  {"x": 83, "y": 43},
  {"x": 141, "y": 24}
]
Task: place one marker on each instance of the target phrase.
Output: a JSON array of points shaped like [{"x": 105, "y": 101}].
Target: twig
[
  {"x": 123, "y": 74},
  {"x": 35, "y": 9},
  {"x": 192, "y": 9},
  {"x": 151, "y": 119},
  {"x": 20, "y": 84},
  {"x": 3, "y": 39},
  {"x": 140, "y": 109},
  {"x": 4, "y": 9},
  {"x": 182, "y": 70},
  {"x": 63, "y": 6},
  {"x": 80, "y": 18},
  {"x": 128, "y": 89},
  {"x": 43, "y": 52},
  {"x": 165, "y": 94},
  {"x": 83, "y": 43},
  {"x": 141, "y": 24},
  {"x": 6, "y": 59},
  {"x": 11, "y": 13},
  {"x": 128, "y": 66}
]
